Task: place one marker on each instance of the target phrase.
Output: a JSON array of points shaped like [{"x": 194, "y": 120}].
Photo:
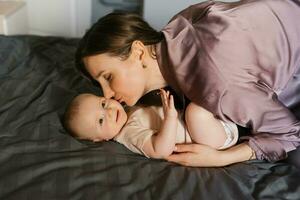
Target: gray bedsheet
[{"x": 39, "y": 160}]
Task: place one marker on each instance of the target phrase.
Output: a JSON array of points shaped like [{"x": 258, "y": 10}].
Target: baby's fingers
[
  {"x": 171, "y": 102},
  {"x": 163, "y": 97},
  {"x": 167, "y": 94}
]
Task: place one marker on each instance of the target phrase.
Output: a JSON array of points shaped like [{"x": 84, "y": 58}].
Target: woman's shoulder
[{"x": 194, "y": 12}]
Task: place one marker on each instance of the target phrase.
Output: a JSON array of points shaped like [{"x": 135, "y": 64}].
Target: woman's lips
[{"x": 119, "y": 99}]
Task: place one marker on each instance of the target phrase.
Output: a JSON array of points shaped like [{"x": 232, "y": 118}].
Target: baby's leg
[{"x": 204, "y": 128}]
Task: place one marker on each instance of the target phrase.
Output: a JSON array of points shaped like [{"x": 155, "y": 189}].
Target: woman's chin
[{"x": 130, "y": 102}]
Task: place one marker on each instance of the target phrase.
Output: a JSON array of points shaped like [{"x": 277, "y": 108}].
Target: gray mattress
[{"x": 39, "y": 160}]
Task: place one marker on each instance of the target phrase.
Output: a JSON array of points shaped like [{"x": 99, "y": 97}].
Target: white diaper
[{"x": 232, "y": 134}]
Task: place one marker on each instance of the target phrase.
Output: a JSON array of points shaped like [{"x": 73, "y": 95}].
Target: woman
[{"x": 240, "y": 61}]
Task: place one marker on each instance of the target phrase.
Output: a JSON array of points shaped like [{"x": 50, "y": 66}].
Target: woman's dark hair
[{"x": 114, "y": 34}]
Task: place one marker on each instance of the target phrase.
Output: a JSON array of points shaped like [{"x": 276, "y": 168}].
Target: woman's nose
[{"x": 108, "y": 92}]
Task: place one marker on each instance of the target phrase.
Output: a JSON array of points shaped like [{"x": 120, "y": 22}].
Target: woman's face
[{"x": 123, "y": 80}]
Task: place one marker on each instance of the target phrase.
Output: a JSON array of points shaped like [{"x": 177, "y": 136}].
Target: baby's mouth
[{"x": 117, "y": 115}]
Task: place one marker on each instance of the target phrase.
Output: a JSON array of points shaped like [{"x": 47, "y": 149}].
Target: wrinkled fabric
[
  {"x": 236, "y": 60},
  {"x": 40, "y": 160}
]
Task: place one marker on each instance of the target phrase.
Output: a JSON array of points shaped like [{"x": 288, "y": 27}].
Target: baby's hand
[{"x": 168, "y": 104}]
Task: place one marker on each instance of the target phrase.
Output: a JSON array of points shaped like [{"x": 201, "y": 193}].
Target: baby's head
[{"x": 94, "y": 118}]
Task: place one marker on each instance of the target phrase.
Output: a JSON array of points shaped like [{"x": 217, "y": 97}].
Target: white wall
[
  {"x": 99, "y": 10},
  {"x": 158, "y": 12},
  {"x": 13, "y": 18},
  {"x": 83, "y": 14},
  {"x": 68, "y": 18},
  {"x": 71, "y": 18},
  {"x": 16, "y": 23}
]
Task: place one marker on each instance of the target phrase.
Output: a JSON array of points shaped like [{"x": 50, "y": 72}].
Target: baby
[{"x": 151, "y": 131}]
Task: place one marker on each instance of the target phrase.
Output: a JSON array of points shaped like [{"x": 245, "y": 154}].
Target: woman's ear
[{"x": 138, "y": 49}]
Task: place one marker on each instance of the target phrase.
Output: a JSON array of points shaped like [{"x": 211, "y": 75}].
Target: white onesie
[{"x": 143, "y": 122}]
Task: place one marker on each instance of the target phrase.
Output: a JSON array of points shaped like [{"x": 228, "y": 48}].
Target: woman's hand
[{"x": 196, "y": 155}]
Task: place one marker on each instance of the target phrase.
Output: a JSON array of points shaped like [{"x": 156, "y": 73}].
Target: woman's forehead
[{"x": 98, "y": 64}]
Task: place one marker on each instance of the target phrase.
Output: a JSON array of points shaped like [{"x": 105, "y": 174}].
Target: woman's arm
[
  {"x": 162, "y": 144},
  {"x": 274, "y": 128},
  {"x": 197, "y": 155}
]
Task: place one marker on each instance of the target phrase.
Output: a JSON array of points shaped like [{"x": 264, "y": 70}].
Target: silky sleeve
[
  {"x": 194, "y": 12},
  {"x": 275, "y": 129}
]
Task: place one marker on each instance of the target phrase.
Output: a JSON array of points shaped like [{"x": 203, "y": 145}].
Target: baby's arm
[{"x": 162, "y": 143}]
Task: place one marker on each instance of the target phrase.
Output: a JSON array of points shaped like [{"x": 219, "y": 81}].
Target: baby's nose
[{"x": 109, "y": 112}]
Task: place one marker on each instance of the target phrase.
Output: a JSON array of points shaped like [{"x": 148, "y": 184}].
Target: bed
[{"x": 39, "y": 160}]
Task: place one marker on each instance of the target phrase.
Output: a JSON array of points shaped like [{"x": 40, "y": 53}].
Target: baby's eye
[
  {"x": 103, "y": 103},
  {"x": 101, "y": 121}
]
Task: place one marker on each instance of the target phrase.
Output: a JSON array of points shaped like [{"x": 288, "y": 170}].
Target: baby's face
[{"x": 99, "y": 118}]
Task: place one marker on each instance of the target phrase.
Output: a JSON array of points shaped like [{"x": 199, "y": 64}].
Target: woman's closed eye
[{"x": 108, "y": 77}]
